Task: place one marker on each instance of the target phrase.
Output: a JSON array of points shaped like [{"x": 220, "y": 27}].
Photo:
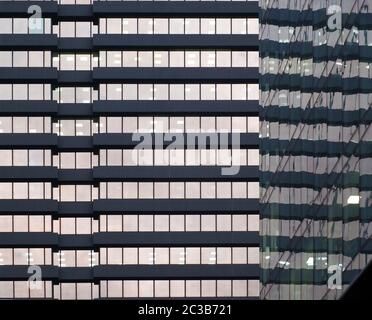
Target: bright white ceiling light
[
  {"x": 353, "y": 199},
  {"x": 310, "y": 261}
]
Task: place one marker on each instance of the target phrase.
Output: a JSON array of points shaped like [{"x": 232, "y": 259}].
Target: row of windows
[
  {"x": 25, "y": 58},
  {"x": 25, "y": 157},
  {"x": 25, "y": 125},
  {"x": 180, "y": 288},
  {"x": 332, "y": 100},
  {"x": 316, "y": 165},
  {"x": 194, "y": 255},
  {"x": 150, "y": 125},
  {"x": 131, "y": 223},
  {"x": 130, "y": 190},
  {"x": 178, "y": 92},
  {"x": 173, "y": 190},
  {"x": 318, "y": 131},
  {"x": 192, "y": 59},
  {"x": 179, "y": 157},
  {"x": 130, "y": 59},
  {"x": 129, "y": 256},
  {"x": 179, "y": 223},
  {"x": 24, "y": 223},
  {"x": 85, "y": 160},
  {"x": 25, "y": 26},
  {"x": 25, "y": 190},
  {"x": 25, "y": 256},
  {"x": 131, "y": 289},
  {"x": 25, "y": 91},
  {"x": 129, "y": 125},
  {"x": 174, "y": 26},
  {"x": 178, "y": 124},
  {"x": 307, "y": 67},
  {"x": 130, "y": 92},
  {"x": 82, "y": 29},
  {"x": 317, "y": 36}
]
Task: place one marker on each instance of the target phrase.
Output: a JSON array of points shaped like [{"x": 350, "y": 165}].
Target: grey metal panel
[
  {"x": 28, "y": 239},
  {"x": 28, "y": 75},
  {"x": 176, "y": 9},
  {"x": 75, "y": 143},
  {"x": 20, "y": 8},
  {"x": 75, "y": 44},
  {"x": 128, "y": 239},
  {"x": 160, "y": 41},
  {"x": 173, "y": 173},
  {"x": 170, "y": 272},
  {"x": 30, "y": 174},
  {"x": 169, "y": 107},
  {"x": 78, "y": 176},
  {"x": 175, "y": 206},
  {"x": 75, "y": 208},
  {"x": 133, "y": 272},
  {"x": 74, "y": 78},
  {"x": 28, "y": 107},
  {"x": 28, "y": 41},
  {"x": 174, "y": 75},
  {"x": 15, "y": 273},
  {"x": 75, "y": 110},
  {"x": 181, "y": 140},
  {"x": 175, "y": 239},
  {"x": 28, "y": 141},
  {"x": 30, "y": 206}
]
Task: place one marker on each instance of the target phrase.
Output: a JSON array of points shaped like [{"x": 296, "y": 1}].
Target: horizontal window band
[
  {"x": 280, "y": 275},
  {"x": 125, "y": 173},
  {"x": 310, "y": 84},
  {"x": 32, "y": 42},
  {"x": 348, "y": 248},
  {"x": 129, "y": 108},
  {"x": 362, "y": 149},
  {"x": 61, "y": 12},
  {"x": 315, "y": 18},
  {"x": 133, "y": 272},
  {"x": 307, "y": 50},
  {"x": 334, "y": 212},
  {"x": 317, "y": 181},
  {"x": 315, "y": 115},
  {"x": 127, "y": 206},
  {"x": 128, "y": 141},
  {"x": 127, "y": 239}
]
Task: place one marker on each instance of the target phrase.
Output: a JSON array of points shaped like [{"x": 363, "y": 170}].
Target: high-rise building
[
  {"x": 95, "y": 200},
  {"x": 315, "y": 146}
]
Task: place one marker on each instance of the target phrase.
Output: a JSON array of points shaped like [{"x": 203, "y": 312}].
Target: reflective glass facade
[
  {"x": 129, "y": 149},
  {"x": 315, "y": 146}
]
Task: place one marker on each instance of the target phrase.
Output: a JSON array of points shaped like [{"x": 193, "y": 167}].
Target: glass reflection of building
[
  {"x": 100, "y": 218},
  {"x": 315, "y": 146}
]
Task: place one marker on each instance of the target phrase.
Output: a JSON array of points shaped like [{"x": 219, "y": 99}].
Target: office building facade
[
  {"x": 315, "y": 146},
  {"x": 103, "y": 194}
]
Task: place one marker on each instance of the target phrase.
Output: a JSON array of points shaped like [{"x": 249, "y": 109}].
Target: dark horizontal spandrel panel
[{"x": 159, "y": 41}]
